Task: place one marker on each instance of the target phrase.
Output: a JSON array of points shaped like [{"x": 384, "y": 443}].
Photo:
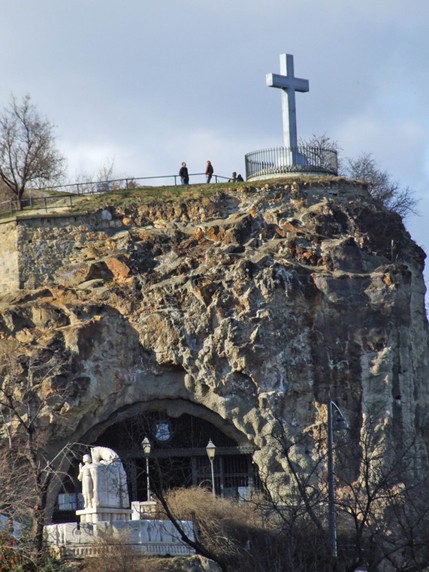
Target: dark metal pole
[
  {"x": 147, "y": 478},
  {"x": 213, "y": 478},
  {"x": 211, "y": 453},
  {"x": 146, "y": 451},
  {"x": 331, "y": 484}
]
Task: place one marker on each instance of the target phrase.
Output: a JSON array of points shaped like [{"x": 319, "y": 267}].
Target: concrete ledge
[
  {"x": 103, "y": 515},
  {"x": 140, "y": 537},
  {"x": 152, "y": 548}
]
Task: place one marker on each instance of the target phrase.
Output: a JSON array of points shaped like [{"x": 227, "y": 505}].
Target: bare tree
[
  {"x": 322, "y": 151},
  {"x": 105, "y": 171},
  {"x": 239, "y": 535},
  {"x": 28, "y": 469},
  {"x": 320, "y": 143},
  {"x": 382, "y": 506},
  {"x": 384, "y": 509},
  {"x": 28, "y": 156},
  {"x": 243, "y": 536},
  {"x": 381, "y": 186},
  {"x": 364, "y": 168}
]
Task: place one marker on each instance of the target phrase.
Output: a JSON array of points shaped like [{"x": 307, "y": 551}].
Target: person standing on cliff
[
  {"x": 209, "y": 171},
  {"x": 184, "y": 175}
]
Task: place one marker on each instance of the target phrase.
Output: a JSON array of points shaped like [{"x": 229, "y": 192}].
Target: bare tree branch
[{"x": 28, "y": 156}]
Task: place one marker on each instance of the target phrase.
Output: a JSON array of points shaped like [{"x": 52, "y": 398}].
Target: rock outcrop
[{"x": 241, "y": 307}]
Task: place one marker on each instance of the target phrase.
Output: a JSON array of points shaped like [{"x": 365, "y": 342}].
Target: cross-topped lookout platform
[{"x": 291, "y": 158}]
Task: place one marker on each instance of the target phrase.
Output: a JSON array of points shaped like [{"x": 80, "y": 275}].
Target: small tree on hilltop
[
  {"x": 381, "y": 186},
  {"x": 28, "y": 156},
  {"x": 364, "y": 168}
]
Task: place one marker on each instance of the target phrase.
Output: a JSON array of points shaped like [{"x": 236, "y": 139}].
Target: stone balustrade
[{"x": 146, "y": 536}]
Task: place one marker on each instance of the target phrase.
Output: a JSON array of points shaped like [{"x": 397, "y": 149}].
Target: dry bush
[
  {"x": 115, "y": 554},
  {"x": 245, "y": 537},
  {"x": 127, "y": 562},
  {"x": 217, "y": 510},
  {"x": 221, "y": 523},
  {"x": 178, "y": 564}
]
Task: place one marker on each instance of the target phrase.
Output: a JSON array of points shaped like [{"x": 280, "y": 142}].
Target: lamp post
[
  {"x": 211, "y": 452},
  {"x": 340, "y": 423},
  {"x": 146, "y": 450}
]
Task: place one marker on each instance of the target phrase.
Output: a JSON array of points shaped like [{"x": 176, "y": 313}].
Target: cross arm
[{"x": 285, "y": 82}]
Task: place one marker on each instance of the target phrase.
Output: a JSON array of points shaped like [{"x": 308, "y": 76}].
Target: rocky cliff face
[{"x": 241, "y": 307}]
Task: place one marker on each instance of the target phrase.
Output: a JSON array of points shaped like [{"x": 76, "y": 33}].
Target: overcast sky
[{"x": 151, "y": 83}]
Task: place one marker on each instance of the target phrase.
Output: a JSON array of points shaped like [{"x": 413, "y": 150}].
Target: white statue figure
[
  {"x": 104, "y": 481},
  {"x": 103, "y": 455},
  {"x": 86, "y": 477}
]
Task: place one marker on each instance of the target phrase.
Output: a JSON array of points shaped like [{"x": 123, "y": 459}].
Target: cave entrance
[{"x": 178, "y": 455}]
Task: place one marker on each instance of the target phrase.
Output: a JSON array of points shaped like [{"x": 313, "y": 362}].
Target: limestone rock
[{"x": 245, "y": 307}]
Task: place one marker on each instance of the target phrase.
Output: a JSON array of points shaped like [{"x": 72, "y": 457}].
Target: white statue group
[{"x": 104, "y": 482}]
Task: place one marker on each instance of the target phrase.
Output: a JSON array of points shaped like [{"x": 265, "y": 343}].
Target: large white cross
[{"x": 289, "y": 84}]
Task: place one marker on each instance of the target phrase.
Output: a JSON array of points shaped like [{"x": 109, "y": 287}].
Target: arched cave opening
[{"x": 178, "y": 458}]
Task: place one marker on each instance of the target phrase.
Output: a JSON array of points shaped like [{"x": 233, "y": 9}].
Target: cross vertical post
[{"x": 289, "y": 84}]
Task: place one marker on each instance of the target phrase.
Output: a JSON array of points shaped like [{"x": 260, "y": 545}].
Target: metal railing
[
  {"x": 286, "y": 160},
  {"x": 68, "y": 193},
  {"x": 31, "y": 203},
  {"x": 92, "y": 187}
]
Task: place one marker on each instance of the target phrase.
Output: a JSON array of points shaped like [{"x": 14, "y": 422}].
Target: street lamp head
[
  {"x": 338, "y": 421},
  {"x": 211, "y": 450},
  {"x": 340, "y": 424},
  {"x": 146, "y": 446}
]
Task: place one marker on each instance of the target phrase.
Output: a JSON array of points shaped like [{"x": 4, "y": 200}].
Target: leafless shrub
[
  {"x": 116, "y": 554},
  {"x": 245, "y": 537},
  {"x": 381, "y": 186}
]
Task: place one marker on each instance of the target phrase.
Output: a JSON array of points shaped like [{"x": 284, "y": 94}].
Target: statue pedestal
[
  {"x": 142, "y": 537},
  {"x": 104, "y": 488},
  {"x": 92, "y": 515}
]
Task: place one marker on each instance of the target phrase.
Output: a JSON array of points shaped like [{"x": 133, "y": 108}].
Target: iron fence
[
  {"x": 286, "y": 160},
  {"x": 93, "y": 187},
  {"x": 32, "y": 203},
  {"x": 64, "y": 196}
]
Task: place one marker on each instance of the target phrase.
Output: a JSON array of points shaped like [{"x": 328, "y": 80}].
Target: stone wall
[
  {"x": 9, "y": 275},
  {"x": 34, "y": 248}
]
